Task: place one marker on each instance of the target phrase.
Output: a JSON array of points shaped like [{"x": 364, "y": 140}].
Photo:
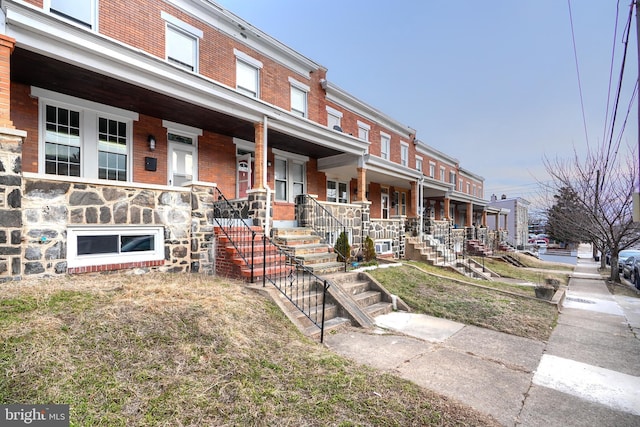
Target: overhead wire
[{"x": 575, "y": 56}]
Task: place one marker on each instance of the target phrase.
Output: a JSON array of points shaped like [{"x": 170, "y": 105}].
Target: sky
[{"x": 491, "y": 83}]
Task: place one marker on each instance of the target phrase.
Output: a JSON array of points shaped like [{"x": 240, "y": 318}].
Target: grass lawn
[
  {"x": 181, "y": 349},
  {"x": 448, "y": 298}
]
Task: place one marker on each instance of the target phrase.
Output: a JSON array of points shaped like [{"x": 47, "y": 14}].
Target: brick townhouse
[{"x": 118, "y": 120}]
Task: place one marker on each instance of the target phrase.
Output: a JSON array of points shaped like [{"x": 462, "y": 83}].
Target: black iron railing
[
  {"x": 232, "y": 224},
  {"x": 312, "y": 214},
  {"x": 306, "y": 291}
]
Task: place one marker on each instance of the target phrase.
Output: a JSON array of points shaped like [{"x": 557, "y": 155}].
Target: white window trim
[
  {"x": 443, "y": 174},
  {"x": 334, "y": 112},
  {"x": 89, "y": 113},
  {"x": 338, "y": 182},
  {"x": 384, "y": 136},
  {"x": 248, "y": 59},
  {"x": 420, "y": 160},
  {"x": 46, "y": 5},
  {"x": 182, "y": 129},
  {"x": 182, "y": 25},
  {"x": 291, "y": 158},
  {"x": 75, "y": 260},
  {"x": 366, "y": 128},
  {"x": 404, "y": 149},
  {"x": 188, "y": 29},
  {"x": 387, "y": 242},
  {"x": 304, "y": 88}
]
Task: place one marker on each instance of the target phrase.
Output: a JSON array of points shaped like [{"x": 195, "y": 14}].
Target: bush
[
  {"x": 369, "y": 250},
  {"x": 342, "y": 247}
]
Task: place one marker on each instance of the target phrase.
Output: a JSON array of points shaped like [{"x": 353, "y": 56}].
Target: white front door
[
  {"x": 385, "y": 206},
  {"x": 182, "y": 164},
  {"x": 244, "y": 175}
]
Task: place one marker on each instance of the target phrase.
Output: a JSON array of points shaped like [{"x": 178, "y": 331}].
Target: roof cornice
[{"x": 344, "y": 99}]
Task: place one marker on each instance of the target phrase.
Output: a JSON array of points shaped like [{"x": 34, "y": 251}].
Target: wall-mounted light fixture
[{"x": 152, "y": 142}]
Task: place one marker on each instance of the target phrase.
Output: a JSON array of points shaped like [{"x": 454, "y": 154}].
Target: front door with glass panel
[
  {"x": 385, "y": 204},
  {"x": 244, "y": 172},
  {"x": 182, "y": 164}
]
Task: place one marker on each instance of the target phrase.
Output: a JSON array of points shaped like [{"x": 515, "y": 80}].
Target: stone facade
[
  {"x": 390, "y": 229},
  {"x": 10, "y": 204},
  {"x": 49, "y": 207}
]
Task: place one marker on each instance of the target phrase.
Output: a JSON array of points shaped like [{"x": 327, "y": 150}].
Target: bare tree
[{"x": 601, "y": 186}]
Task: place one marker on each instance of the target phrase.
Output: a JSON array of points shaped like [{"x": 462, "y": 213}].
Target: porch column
[
  {"x": 11, "y": 139},
  {"x": 506, "y": 224},
  {"x": 484, "y": 218},
  {"x": 412, "y": 212},
  {"x": 446, "y": 208},
  {"x": 362, "y": 184},
  {"x": 469, "y": 214},
  {"x": 258, "y": 174}
]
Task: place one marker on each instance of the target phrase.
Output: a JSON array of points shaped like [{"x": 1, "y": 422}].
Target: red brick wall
[{"x": 24, "y": 114}]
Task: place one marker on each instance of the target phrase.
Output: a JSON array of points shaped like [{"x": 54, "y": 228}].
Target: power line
[{"x": 575, "y": 55}]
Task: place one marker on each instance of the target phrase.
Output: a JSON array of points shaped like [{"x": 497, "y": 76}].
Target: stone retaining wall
[{"x": 50, "y": 206}]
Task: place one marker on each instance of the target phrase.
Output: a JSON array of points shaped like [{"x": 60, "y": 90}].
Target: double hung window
[
  {"x": 404, "y": 154},
  {"x": 337, "y": 192},
  {"x": 247, "y": 74},
  {"x": 290, "y": 175},
  {"x": 385, "y": 142},
  {"x": 82, "y": 12},
  {"x": 80, "y": 138},
  {"x": 299, "y": 93},
  {"x": 181, "y": 43}
]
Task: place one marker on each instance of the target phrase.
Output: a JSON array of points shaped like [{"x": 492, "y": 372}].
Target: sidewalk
[{"x": 587, "y": 374}]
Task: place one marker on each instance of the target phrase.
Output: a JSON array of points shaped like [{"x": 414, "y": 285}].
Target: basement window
[
  {"x": 96, "y": 245},
  {"x": 383, "y": 247}
]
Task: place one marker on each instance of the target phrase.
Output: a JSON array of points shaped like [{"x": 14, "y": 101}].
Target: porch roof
[{"x": 56, "y": 55}]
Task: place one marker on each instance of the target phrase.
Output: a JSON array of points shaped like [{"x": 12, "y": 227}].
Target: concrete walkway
[{"x": 588, "y": 374}]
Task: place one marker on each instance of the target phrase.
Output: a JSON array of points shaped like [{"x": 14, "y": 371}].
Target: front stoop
[
  {"x": 306, "y": 247},
  {"x": 432, "y": 252}
]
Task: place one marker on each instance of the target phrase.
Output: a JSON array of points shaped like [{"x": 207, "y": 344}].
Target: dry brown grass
[{"x": 172, "y": 350}]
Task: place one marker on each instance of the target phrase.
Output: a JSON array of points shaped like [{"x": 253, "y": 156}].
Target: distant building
[{"x": 517, "y": 222}]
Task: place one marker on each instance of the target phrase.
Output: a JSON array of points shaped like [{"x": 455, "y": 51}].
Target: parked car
[
  {"x": 624, "y": 254},
  {"x": 628, "y": 266},
  {"x": 635, "y": 276}
]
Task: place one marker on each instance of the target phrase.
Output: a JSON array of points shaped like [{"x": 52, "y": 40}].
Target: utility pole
[{"x": 636, "y": 194}]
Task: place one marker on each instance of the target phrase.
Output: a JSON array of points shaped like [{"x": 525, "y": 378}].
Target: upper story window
[
  {"x": 419, "y": 163},
  {"x": 442, "y": 174},
  {"x": 247, "y": 74},
  {"x": 432, "y": 170},
  {"x": 80, "y": 138},
  {"x": 334, "y": 119},
  {"x": 83, "y": 12},
  {"x": 404, "y": 154},
  {"x": 460, "y": 185},
  {"x": 181, "y": 43},
  {"x": 385, "y": 143},
  {"x": 299, "y": 93},
  {"x": 469, "y": 188},
  {"x": 363, "y": 131},
  {"x": 452, "y": 178}
]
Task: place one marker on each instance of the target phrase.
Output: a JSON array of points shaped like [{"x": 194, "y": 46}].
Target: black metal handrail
[
  {"x": 236, "y": 230},
  {"x": 296, "y": 282},
  {"x": 323, "y": 223}
]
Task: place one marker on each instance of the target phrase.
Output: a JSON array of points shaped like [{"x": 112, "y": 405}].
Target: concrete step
[
  {"x": 326, "y": 268},
  {"x": 355, "y": 288},
  {"x": 367, "y": 298},
  {"x": 379, "y": 308},
  {"x": 316, "y": 258}
]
